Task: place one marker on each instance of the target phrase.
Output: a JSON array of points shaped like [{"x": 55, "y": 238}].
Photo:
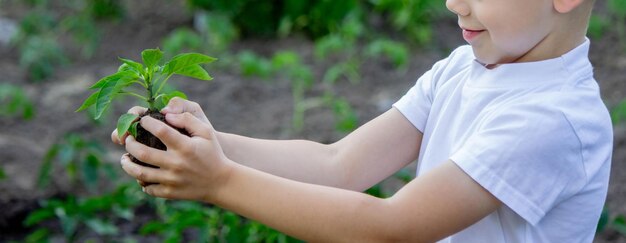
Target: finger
[
  {"x": 116, "y": 139},
  {"x": 143, "y": 183},
  {"x": 141, "y": 173},
  {"x": 178, "y": 105},
  {"x": 171, "y": 137},
  {"x": 191, "y": 124},
  {"x": 144, "y": 153},
  {"x": 158, "y": 190},
  {"x": 137, "y": 110}
]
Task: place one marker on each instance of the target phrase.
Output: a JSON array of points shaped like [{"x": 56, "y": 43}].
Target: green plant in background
[
  {"x": 15, "y": 102},
  {"x": 182, "y": 40},
  {"x": 82, "y": 160},
  {"x": 413, "y": 17},
  {"x": 250, "y": 64},
  {"x": 394, "y": 51},
  {"x": 597, "y": 26},
  {"x": 40, "y": 52},
  {"x": 341, "y": 44},
  {"x": 616, "y": 223},
  {"x": 615, "y": 20},
  {"x": 98, "y": 214},
  {"x": 41, "y": 28},
  {"x": 618, "y": 113},
  {"x": 318, "y": 18},
  {"x": 207, "y": 224},
  {"x": 2, "y": 174}
]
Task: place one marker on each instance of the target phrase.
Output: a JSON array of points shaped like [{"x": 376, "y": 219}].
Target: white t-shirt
[{"x": 536, "y": 135}]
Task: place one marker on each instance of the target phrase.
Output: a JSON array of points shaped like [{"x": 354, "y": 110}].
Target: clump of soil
[{"x": 146, "y": 138}]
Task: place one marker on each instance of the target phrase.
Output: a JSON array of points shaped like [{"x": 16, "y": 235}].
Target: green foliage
[
  {"x": 149, "y": 75},
  {"x": 106, "y": 9},
  {"x": 15, "y": 102},
  {"x": 83, "y": 162},
  {"x": 617, "y": 15},
  {"x": 2, "y": 174},
  {"x": 396, "y": 52},
  {"x": 210, "y": 224},
  {"x": 99, "y": 214},
  {"x": 40, "y": 55},
  {"x": 613, "y": 222},
  {"x": 618, "y": 113},
  {"x": 318, "y": 18},
  {"x": 252, "y": 65},
  {"x": 182, "y": 39},
  {"x": 403, "y": 175},
  {"x": 411, "y": 16},
  {"x": 43, "y": 26},
  {"x": 597, "y": 26}
]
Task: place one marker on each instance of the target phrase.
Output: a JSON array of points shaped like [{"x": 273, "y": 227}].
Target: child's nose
[{"x": 458, "y": 7}]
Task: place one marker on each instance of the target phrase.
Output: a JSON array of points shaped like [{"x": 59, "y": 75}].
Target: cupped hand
[{"x": 191, "y": 168}]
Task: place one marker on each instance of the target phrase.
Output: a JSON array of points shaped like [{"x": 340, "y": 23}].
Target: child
[{"x": 512, "y": 139}]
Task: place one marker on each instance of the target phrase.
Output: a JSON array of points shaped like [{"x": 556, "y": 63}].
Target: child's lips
[{"x": 469, "y": 34}]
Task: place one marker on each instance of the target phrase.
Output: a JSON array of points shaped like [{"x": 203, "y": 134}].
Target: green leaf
[
  {"x": 195, "y": 71},
  {"x": 46, "y": 166},
  {"x": 182, "y": 61},
  {"x": 131, "y": 65},
  {"x": 40, "y": 235},
  {"x": 152, "y": 227},
  {"x": 2, "y": 174},
  {"x": 171, "y": 95},
  {"x": 110, "y": 89},
  {"x": 603, "y": 221},
  {"x": 164, "y": 99},
  {"x": 151, "y": 57},
  {"x": 619, "y": 224},
  {"x": 124, "y": 123},
  {"x": 90, "y": 171},
  {"x": 88, "y": 102},
  {"x": 38, "y": 216},
  {"x": 133, "y": 129},
  {"x": 112, "y": 78},
  {"x": 101, "y": 227}
]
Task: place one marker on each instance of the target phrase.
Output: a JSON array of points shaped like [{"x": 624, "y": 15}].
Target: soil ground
[{"x": 247, "y": 106}]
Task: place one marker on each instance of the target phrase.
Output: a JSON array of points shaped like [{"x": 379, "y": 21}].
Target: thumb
[{"x": 191, "y": 124}]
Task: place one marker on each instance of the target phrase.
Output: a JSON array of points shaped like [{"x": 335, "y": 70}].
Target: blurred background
[{"x": 312, "y": 69}]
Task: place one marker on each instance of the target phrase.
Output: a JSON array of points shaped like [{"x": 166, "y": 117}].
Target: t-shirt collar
[{"x": 574, "y": 63}]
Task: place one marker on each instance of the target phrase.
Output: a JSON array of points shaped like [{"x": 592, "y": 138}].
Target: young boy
[{"x": 512, "y": 139}]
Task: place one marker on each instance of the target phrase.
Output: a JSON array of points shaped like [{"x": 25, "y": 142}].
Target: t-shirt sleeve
[
  {"x": 415, "y": 104},
  {"x": 528, "y": 156}
]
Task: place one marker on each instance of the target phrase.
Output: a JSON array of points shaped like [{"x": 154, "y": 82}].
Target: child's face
[{"x": 503, "y": 31}]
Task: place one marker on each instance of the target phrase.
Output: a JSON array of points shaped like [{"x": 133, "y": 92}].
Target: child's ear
[{"x": 565, "y": 6}]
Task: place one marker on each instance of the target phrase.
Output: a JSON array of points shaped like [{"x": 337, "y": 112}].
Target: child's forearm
[
  {"x": 299, "y": 160},
  {"x": 309, "y": 212}
]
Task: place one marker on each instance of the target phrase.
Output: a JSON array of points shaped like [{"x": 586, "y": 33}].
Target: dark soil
[
  {"x": 145, "y": 137},
  {"x": 243, "y": 105}
]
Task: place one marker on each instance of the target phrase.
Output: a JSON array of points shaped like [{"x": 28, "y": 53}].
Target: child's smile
[{"x": 470, "y": 35}]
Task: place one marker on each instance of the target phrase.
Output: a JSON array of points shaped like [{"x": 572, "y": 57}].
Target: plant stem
[
  {"x": 150, "y": 100},
  {"x": 163, "y": 83}
]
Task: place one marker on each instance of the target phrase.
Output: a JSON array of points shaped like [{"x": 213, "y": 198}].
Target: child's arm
[
  {"x": 360, "y": 160},
  {"x": 432, "y": 206},
  {"x": 365, "y": 157}
]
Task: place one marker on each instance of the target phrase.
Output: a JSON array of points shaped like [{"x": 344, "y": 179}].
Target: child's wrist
[{"x": 218, "y": 186}]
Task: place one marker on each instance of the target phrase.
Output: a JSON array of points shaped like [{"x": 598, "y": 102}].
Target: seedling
[{"x": 152, "y": 77}]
